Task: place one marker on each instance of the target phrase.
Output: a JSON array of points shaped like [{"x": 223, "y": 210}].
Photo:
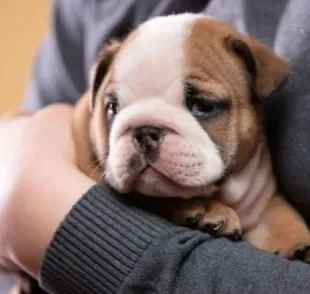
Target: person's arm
[
  {"x": 58, "y": 73},
  {"x": 288, "y": 111},
  {"x": 104, "y": 245},
  {"x": 39, "y": 184}
]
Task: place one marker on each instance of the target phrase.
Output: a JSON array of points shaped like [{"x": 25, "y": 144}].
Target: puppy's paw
[
  {"x": 210, "y": 216},
  {"x": 302, "y": 253},
  {"x": 298, "y": 252}
]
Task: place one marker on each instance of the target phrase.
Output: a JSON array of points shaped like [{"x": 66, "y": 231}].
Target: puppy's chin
[
  {"x": 151, "y": 182},
  {"x": 179, "y": 170}
]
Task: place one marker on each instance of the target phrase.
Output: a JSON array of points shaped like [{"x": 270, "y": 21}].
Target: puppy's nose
[{"x": 147, "y": 139}]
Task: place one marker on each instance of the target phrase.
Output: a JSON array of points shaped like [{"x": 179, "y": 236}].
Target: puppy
[{"x": 175, "y": 112}]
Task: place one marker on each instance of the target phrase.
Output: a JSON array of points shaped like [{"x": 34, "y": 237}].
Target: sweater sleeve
[{"x": 105, "y": 245}]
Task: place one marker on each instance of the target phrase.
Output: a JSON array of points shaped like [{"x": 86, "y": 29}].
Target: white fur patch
[
  {"x": 237, "y": 185},
  {"x": 249, "y": 191},
  {"x": 152, "y": 64}
]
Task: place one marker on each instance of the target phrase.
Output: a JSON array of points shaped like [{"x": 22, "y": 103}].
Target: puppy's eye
[
  {"x": 112, "y": 108},
  {"x": 201, "y": 108}
]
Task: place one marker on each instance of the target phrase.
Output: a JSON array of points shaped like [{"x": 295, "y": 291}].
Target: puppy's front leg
[
  {"x": 210, "y": 216},
  {"x": 282, "y": 231}
]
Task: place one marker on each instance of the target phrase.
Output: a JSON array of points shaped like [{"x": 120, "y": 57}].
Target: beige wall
[{"x": 22, "y": 26}]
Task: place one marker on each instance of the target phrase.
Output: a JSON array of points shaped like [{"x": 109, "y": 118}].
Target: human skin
[{"x": 38, "y": 171}]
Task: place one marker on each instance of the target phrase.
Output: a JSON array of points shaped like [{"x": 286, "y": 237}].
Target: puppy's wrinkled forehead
[{"x": 152, "y": 60}]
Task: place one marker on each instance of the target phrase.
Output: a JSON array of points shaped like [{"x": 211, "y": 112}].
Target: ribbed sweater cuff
[{"x": 98, "y": 244}]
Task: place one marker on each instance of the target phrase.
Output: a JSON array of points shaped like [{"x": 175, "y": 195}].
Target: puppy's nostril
[
  {"x": 155, "y": 136},
  {"x": 138, "y": 137}
]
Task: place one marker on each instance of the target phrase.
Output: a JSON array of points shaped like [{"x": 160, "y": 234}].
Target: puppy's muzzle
[{"x": 147, "y": 140}]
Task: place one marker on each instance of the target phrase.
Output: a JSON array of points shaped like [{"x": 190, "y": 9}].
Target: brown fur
[
  {"x": 238, "y": 132},
  {"x": 281, "y": 229}
]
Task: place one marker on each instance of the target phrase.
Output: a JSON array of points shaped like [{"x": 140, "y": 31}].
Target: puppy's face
[{"x": 176, "y": 106}]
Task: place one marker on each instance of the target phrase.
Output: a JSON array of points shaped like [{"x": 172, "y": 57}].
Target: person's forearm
[
  {"x": 39, "y": 184},
  {"x": 106, "y": 246}
]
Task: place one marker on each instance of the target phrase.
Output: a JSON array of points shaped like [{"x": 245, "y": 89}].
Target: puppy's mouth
[
  {"x": 149, "y": 174},
  {"x": 153, "y": 182},
  {"x": 152, "y": 176},
  {"x": 144, "y": 171}
]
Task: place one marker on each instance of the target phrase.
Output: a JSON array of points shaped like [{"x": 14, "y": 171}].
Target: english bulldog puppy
[{"x": 175, "y": 113}]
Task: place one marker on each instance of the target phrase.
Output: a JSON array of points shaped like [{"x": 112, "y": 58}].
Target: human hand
[{"x": 39, "y": 183}]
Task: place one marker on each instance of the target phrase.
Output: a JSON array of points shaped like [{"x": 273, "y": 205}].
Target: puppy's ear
[
  {"x": 268, "y": 71},
  {"x": 100, "y": 68}
]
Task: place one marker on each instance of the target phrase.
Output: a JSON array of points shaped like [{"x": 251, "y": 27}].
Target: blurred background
[{"x": 22, "y": 27}]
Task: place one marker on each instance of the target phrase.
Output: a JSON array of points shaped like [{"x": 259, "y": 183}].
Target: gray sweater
[{"x": 105, "y": 244}]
